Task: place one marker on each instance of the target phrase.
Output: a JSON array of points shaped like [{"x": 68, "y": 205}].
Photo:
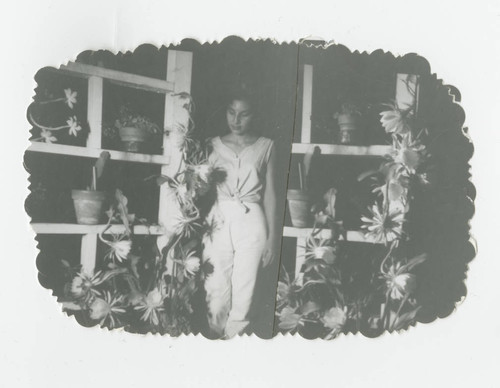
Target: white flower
[
  {"x": 77, "y": 287},
  {"x": 70, "y": 97},
  {"x": 408, "y": 151},
  {"x": 119, "y": 247},
  {"x": 325, "y": 253},
  {"x": 203, "y": 171},
  {"x": 83, "y": 285},
  {"x": 320, "y": 249},
  {"x": 107, "y": 309},
  {"x": 151, "y": 305},
  {"x": 99, "y": 309},
  {"x": 191, "y": 265},
  {"x": 384, "y": 227},
  {"x": 400, "y": 285},
  {"x": 395, "y": 121},
  {"x": 335, "y": 318},
  {"x": 73, "y": 126},
  {"x": 47, "y": 136}
]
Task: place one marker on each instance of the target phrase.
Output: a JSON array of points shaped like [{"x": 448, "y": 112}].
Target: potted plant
[
  {"x": 89, "y": 203},
  {"x": 349, "y": 124},
  {"x": 299, "y": 200},
  {"x": 135, "y": 130}
]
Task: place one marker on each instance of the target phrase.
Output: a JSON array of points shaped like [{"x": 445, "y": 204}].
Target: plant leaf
[
  {"x": 309, "y": 307},
  {"x": 122, "y": 208},
  {"x": 404, "y": 320},
  {"x": 366, "y": 174},
  {"x": 101, "y": 163},
  {"x": 413, "y": 262}
]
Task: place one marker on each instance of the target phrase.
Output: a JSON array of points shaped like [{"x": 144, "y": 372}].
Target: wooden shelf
[
  {"x": 62, "y": 149},
  {"x": 352, "y": 235},
  {"x": 53, "y": 228},
  {"x": 339, "y": 149},
  {"x": 118, "y": 77}
]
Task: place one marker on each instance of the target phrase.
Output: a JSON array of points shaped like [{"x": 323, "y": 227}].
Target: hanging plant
[{"x": 48, "y": 132}]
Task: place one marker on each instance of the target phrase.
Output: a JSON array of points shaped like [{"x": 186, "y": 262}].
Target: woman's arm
[{"x": 270, "y": 250}]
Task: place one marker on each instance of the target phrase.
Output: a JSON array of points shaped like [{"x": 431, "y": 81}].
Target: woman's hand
[{"x": 270, "y": 252}]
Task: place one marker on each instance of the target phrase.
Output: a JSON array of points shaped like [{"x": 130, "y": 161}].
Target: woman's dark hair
[{"x": 243, "y": 92}]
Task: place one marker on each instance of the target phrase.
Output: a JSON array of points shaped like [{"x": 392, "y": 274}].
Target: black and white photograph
[
  {"x": 179, "y": 227},
  {"x": 158, "y": 184},
  {"x": 249, "y": 194},
  {"x": 379, "y": 196}
]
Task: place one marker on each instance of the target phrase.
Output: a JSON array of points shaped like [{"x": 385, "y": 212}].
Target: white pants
[{"x": 235, "y": 251}]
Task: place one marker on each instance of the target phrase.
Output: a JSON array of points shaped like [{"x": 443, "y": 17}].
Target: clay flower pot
[
  {"x": 133, "y": 138},
  {"x": 349, "y": 132},
  {"x": 88, "y": 206},
  {"x": 299, "y": 203}
]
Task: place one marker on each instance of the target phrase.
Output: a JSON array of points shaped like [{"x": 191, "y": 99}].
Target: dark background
[
  {"x": 439, "y": 216},
  {"x": 270, "y": 70}
]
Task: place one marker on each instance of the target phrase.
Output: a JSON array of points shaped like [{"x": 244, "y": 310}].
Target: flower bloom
[
  {"x": 47, "y": 136},
  {"x": 191, "y": 265},
  {"x": 289, "y": 319},
  {"x": 151, "y": 305},
  {"x": 203, "y": 171},
  {"x": 83, "y": 285},
  {"x": 99, "y": 309},
  {"x": 408, "y": 151},
  {"x": 320, "y": 249},
  {"x": 395, "y": 121},
  {"x": 70, "y": 97},
  {"x": 400, "y": 284},
  {"x": 384, "y": 226},
  {"x": 77, "y": 287},
  {"x": 73, "y": 126},
  {"x": 119, "y": 248},
  {"x": 135, "y": 297},
  {"x": 335, "y": 318},
  {"x": 107, "y": 309},
  {"x": 325, "y": 253}
]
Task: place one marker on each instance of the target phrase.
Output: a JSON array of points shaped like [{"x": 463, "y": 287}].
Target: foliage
[
  {"x": 47, "y": 132},
  {"x": 323, "y": 300},
  {"x": 142, "y": 290},
  {"x": 348, "y": 109},
  {"x": 127, "y": 118}
]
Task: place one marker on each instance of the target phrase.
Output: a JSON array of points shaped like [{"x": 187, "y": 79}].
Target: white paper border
[{"x": 41, "y": 347}]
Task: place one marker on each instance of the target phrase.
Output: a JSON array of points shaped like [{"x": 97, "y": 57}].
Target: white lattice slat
[
  {"x": 94, "y": 111},
  {"x": 55, "y": 228},
  {"x": 352, "y": 235},
  {"x": 118, "y": 77},
  {"x": 347, "y": 150},
  {"x": 179, "y": 69},
  {"x": 88, "y": 253},
  {"x": 305, "y": 134},
  {"x": 63, "y": 149}
]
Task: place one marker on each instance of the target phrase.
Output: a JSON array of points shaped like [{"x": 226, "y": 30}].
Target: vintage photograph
[
  {"x": 158, "y": 185},
  {"x": 250, "y": 187},
  {"x": 376, "y": 236}
]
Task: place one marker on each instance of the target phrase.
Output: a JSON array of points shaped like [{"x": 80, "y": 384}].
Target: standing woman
[{"x": 244, "y": 228}]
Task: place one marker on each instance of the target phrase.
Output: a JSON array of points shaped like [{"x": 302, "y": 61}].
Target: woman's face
[{"x": 239, "y": 117}]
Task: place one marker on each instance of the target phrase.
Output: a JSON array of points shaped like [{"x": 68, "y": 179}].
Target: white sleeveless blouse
[{"x": 246, "y": 171}]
